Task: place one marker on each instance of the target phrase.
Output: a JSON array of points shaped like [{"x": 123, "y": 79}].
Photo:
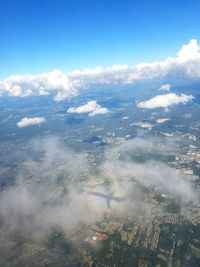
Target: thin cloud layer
[
  {"x": 25, "y": 122},
  {"x": 53, "y": 190},
  {"x": 47, "y": 191},
  {"x": 91, "y": 107},
  {"x": 186, "y": 65},
  {"x": 159, "y": 174},
  {"x": 165, "y": 101}
]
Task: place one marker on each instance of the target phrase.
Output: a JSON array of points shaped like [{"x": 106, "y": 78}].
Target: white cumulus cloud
[
  {"x": 184, "y": 66},
  {"x": 164, "y": 101},
  {"x": 162, "y": 120},
  {"x": 189, "y": 52},
  {"x": 165, "y": 87},
  {"x": 90, "y": 107},
  {"x": 25, "y": 85},
  {"x": 30, "y": 121}
]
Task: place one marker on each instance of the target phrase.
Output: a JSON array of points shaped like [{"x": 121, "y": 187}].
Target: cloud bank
[
  {"x": 90, "y": 107},
  {"x": 165, "y": 101},
  {"x": 43, "y": 84},
  {"x": 185, "y": 65},
  {"x": 25, "y": 122}
]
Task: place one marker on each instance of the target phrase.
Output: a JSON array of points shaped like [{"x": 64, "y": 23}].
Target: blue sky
[{"x": 38, "y": 36}]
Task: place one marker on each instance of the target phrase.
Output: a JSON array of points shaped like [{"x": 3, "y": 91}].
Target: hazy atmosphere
[{"x": 99, "y": 133}]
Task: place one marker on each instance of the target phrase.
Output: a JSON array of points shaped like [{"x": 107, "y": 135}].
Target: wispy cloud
[
  {"x": 159, "y": 174},
  {"x": 51, "y": 191}
]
